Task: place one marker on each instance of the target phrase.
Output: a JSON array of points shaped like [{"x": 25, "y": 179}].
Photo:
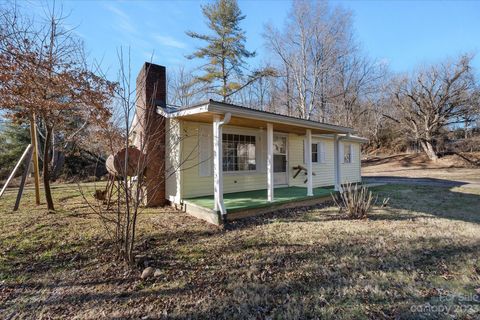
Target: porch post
[
  {"x": 270, "y": 162},
  {"x": 309, "y": 164},
  {"x": 336, "y": 161},
  {"x": 217, "y": 167}
]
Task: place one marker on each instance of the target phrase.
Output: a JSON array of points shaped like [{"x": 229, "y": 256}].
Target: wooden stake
[
  {"x": 24, "y": 179},
  {"x": 15, "y": 169},
  {"x": 36, "y": 170}
]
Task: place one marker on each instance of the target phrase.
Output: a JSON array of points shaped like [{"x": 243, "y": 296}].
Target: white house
[{"x": 214, "y": 152}]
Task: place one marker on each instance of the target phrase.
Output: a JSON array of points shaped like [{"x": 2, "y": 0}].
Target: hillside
[{"x": 460, "y": 167}]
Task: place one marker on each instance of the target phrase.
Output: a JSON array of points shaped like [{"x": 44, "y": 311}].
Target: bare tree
[
  {"x": 43, "y": 72},
  {"x": 183, "y": 90},
  {"x": 434, "y": 98},
  {"x": 313, "y": 40},
  {"x": 356, "y": 82},
  {"x": 145, "y": 153}
]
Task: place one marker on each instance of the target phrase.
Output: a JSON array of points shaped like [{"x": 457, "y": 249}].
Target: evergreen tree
[
  {"x": 225, "y": 49},
  {"x": 13, "y": 141}
]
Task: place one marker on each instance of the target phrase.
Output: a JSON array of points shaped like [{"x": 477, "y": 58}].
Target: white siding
[
  {"x": 324, "y": 174},
  {"x": 196, "y": 181},
  {"x": 172, "y": 161},
  {"x": 350, "y": 172},
  {"x": 194, "y": 184}
]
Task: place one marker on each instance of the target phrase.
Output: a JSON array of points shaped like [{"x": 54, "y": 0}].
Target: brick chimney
[{"x": 152, "y": 92}]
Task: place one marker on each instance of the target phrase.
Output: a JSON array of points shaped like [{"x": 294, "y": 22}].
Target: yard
[{"x": 417, "y": 258}]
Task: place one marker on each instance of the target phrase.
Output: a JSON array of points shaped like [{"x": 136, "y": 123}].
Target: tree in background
[
  {"x": 307, "y": 50},
  {"x": 183, "y": 90},
  {"x": 225, "y": 50},
  {"x": 43, "y": 72},
  {"x": 433, "y": 99},
  {"x": 14, "y": 139}
]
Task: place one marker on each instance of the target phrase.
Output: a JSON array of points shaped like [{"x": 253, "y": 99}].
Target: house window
[
  {"x": 318, "y": 152},
  {"x": 347, "y": 153},
  {"x": 238, "y": 152},
  {"x": 314, "y": 152}
]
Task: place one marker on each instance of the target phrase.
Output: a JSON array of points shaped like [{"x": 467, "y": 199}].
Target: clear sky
[{"x": 405, "y": 34}]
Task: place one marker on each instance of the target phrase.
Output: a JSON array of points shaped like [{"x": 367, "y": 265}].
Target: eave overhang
[{"x": 252, "y": 118}]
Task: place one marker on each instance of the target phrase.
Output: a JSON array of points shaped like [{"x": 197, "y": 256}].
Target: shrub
[{"x": 355, "y": 200}]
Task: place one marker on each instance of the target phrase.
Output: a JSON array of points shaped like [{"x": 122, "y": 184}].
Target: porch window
[
  {"x": 318, "y": 154},
  {"x": 238, "y": 152},
  {"x": 347, "y": 153},
  {"x": 314, "y": 152}
]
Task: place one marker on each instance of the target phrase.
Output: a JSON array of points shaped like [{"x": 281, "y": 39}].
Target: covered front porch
[
  {"x": 236, "y": 153},
  {"x": 249, "y": 203}
]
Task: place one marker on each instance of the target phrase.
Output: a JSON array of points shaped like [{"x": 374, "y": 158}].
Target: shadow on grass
[
  {"x": 245, "y": 275},
  {"x": 278, "y": 280},
  {"x": 413, "y": 201}
]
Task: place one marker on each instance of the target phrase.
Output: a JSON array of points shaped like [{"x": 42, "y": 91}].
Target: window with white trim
[
  {"x": 347, "y": 153},
  {"x": 318, "y": 152},
  {"x": 238, "y": 152}
]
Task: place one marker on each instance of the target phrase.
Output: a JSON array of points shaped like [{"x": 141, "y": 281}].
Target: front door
[{"x": 280, "y": 176}]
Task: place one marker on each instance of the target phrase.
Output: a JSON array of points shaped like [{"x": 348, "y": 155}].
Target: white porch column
[
  {"x": 270, "y": 162},
  {"x": 336, "y": 161},
  {"x": 309, "y": 164},
  {"x": 217, "y": 165}
]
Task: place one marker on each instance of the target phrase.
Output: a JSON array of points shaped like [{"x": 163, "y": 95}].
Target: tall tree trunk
[
  {"x": 46, "y": 163},
  {"x": 429, "y": 150},
  {"x": 57, "y": 164}
]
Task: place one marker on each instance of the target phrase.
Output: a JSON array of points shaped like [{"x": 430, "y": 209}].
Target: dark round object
[{"x": 136, "y": 162}]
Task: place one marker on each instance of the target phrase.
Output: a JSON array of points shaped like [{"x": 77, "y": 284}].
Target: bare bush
[{"x": 355, "y": 200}]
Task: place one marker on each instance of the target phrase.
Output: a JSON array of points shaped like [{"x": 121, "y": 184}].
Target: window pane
[
  {"x": 279, "y": 163},
  {"x": 279, "y": 144},
  {"x": 314, "y": 152},
  {"x": 346, "y": 153},
  {"x": 238, "y": 152}
]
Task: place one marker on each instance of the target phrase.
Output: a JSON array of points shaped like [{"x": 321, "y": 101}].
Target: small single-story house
[{"x": 218, "y": 160}]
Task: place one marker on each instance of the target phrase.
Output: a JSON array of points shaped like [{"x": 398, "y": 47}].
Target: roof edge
[
  {"x": 216, "y": 106},
  {"x": 223, "y": 107}
]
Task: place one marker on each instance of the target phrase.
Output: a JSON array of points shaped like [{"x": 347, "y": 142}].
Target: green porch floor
[{"x": 239, "y": 201}]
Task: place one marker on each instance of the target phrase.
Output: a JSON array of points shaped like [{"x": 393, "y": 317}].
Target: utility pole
[{"x": 36, "y": 170}]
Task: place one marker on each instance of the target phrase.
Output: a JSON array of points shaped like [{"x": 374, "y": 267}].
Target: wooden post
[
  {"x": 24, "y": 179},
  {"x": 309, "y": 164},
  {"x": 36, "y": 170},
  {"x": 15, "y": 169},
  {"x": 270, "y": 182}
]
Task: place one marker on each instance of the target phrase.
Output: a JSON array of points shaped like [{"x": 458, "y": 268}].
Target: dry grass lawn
[
  {"x": 418, "y": 258},
  {"x": 451, "y": 167}
]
